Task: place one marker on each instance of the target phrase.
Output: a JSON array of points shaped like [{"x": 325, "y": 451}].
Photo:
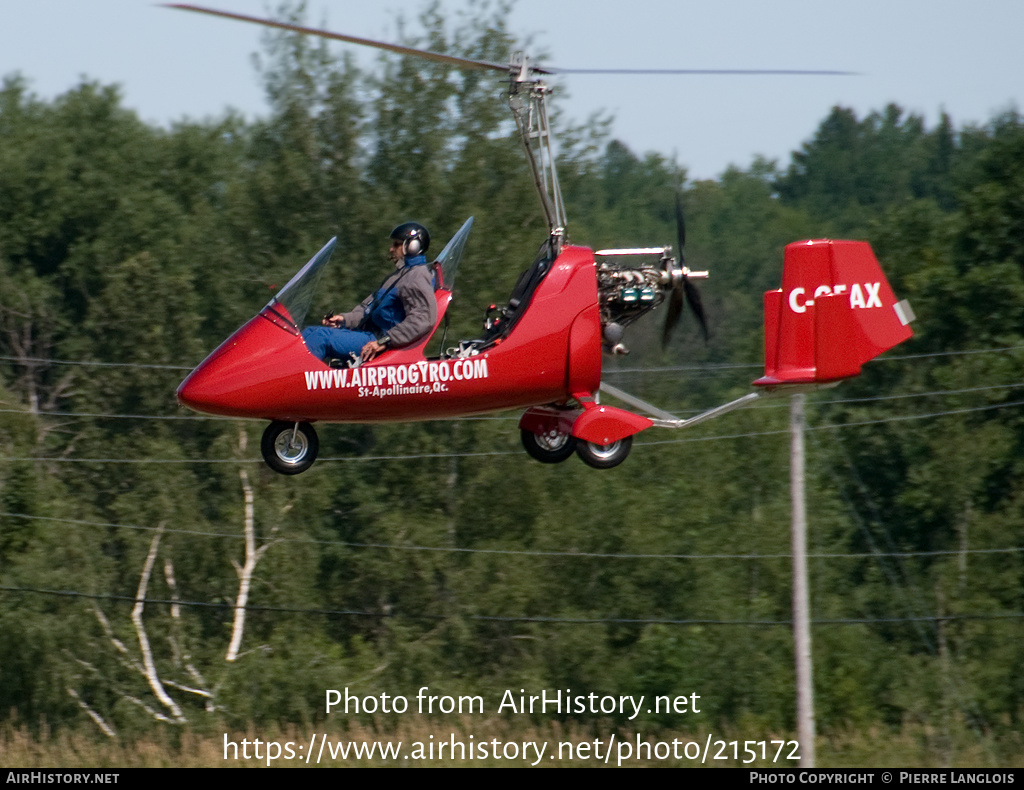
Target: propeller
[{"x": 683, "y": 288}]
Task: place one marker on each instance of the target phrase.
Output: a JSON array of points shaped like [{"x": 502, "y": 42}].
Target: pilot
[{"x": 398, "y": 314}]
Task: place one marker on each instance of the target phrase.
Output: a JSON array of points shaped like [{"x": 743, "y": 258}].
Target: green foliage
[{"x": 436, "y": 554}]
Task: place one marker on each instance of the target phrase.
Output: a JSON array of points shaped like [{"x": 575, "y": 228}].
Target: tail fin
[{"x": 834, "y": 312}]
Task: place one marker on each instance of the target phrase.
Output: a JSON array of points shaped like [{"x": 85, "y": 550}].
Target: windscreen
[
  {"x": 297, "y": 295},
  {"x": 448, "y": 261}
]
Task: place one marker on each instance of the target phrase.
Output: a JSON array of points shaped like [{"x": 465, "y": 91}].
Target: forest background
[{"x": 438, "y": 554}]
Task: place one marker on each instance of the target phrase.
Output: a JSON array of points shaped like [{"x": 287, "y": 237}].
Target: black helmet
[{"x": 414, "y": 237}]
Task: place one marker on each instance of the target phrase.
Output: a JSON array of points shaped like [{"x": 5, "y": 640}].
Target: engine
[{"x": 632, "y": 283}]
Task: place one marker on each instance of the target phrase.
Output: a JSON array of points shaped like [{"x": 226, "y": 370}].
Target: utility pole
[{"x": 801, "y": 597}]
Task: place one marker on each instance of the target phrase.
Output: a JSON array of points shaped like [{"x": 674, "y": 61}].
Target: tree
[{"x": 851, "y": 168}]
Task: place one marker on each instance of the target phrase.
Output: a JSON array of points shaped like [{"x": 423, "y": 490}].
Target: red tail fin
[{"x": 834, "y": 312}]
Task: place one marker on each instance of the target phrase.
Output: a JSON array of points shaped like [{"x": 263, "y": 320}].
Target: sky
[{"x": 927, "y": 56}]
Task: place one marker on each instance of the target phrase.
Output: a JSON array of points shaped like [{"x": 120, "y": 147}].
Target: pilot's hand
[
  {"x": 371, "y": 349},
  {"x": 337, "y": 320}
]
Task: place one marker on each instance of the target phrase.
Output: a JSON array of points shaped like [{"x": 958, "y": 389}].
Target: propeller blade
[
  {"x": 680, "y": 227},
  {"x": 685, "y": 288},
  {"x": 696, "y": 305},
  {"x": 675, "y": 310}
]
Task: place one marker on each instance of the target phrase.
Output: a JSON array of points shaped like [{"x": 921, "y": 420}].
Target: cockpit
[
  {"x": 293, "y": 301},
  {"x": 291, "y": 305}
]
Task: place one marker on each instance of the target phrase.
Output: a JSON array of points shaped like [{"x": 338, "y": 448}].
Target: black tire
[
  {"x": 604, "y": 456},
  {"x": 284, "y": 456},
  {"x": 548, "y": 448}
]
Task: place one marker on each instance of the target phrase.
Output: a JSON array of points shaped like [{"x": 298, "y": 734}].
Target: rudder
[{"x": 834, "y": 312}]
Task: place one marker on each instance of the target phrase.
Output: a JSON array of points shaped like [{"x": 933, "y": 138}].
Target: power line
[
  {"x": 190, "y": 461},
  {"x": 966, "y": 704},
  {"x": 194, "y": 417},
  {"x": 963, "y": 353},
  {"x": 496, "y": 453},
  {"x": 907, "y": 417},
  {"x": 506, "y": 618},
  {"x": 838, "y": 426},
  {"x": 702, "y": 368},
  {"x": 715, "y": 367},
  {"x": 930, "y": 394},
  {"x": 90, "y": 363},
  {"x": 511, "y": 416},
  {"x": 105, "y": 416},
  {"x": 521, "y": 552}
]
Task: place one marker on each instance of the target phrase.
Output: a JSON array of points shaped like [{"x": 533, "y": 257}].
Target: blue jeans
[{"x": 327, "y": 342}]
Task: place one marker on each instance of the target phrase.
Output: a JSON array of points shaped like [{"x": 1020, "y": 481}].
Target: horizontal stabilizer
[{"x": 834, "y": 312}]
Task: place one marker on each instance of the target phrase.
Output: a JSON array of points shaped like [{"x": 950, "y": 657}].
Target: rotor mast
[{"x": 527, "y": 98}]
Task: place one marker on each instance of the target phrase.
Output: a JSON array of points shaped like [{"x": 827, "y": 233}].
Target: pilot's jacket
[{"x": 403, "y": 307}]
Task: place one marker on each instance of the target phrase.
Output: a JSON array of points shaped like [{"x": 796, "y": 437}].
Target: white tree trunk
[
  {"x": 252, "y": 556},
  {"x": 148, "y": 665}
]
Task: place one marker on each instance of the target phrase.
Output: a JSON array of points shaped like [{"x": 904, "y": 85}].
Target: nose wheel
[{"x": 289, "y": 447}]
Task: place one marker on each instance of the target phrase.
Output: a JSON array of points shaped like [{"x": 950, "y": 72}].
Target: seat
[{"x": 499, "y": 323}]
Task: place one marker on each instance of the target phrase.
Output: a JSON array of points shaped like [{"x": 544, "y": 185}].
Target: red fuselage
[{"x": 553, "y": 352}]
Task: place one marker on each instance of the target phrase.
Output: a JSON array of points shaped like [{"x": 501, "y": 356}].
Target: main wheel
[
  {"x": 288, "y": 447},
  {"x": 604, "y": 456},
  {"x": 548, "y": 448}
]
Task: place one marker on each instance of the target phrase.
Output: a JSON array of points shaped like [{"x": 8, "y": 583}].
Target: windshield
[
  {"x": 447, "y": 262},
  {"x": 297, "y": 295}
]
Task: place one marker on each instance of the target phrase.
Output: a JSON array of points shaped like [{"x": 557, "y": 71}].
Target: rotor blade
[
  {"x": 708, "y": 72},
  {"x": 453, "y": 60},
  {"x": 421, "y": 53}
]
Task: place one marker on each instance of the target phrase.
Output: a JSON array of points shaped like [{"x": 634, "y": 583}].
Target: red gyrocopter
[{"x": 543, "y": 351}]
